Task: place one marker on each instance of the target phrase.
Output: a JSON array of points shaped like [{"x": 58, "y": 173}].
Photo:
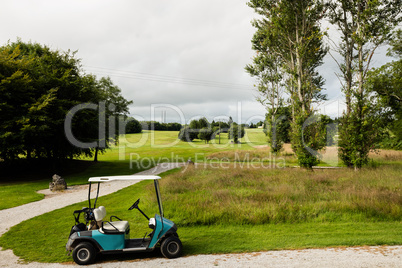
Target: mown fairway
[{"x": 164, "y": 145}]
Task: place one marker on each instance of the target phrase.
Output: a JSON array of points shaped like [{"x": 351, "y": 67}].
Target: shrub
[
  {"x": 133, "y": 126},
  {"x": 187, "y": 134}
]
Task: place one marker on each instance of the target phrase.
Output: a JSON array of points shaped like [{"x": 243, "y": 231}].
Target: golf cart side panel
[
  {"x": 168, "y": 227},
  {"x": 109, "y": 241},
  {"x": 75, "y": 239}
]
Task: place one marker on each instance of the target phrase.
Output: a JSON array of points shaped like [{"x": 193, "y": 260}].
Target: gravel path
[{"x": 381, "y": 256}]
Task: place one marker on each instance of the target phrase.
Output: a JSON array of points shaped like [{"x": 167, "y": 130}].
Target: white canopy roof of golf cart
[{"x": 123, "y": 178}]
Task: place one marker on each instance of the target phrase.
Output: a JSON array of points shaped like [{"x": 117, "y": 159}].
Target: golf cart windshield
[{"x": 98, "y": 180}]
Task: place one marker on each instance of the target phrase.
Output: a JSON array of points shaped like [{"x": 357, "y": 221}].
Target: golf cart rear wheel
[
  {"x": 84, "y": 253},
  {"x": 171, "y": 247}
]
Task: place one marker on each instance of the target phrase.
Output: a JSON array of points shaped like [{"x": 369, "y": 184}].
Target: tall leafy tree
[
  {"x": 266, "y": 68},
  {"x": 386, "y": 83},
  {"x": 291, "y": 31},
  {"x": 364, "y": 26},
  {"x": 13, "y": 81},
  {"x": 38, "y": 88},
  {"x": 340, "y": 16},
  {"x": 39, "y": 113}
]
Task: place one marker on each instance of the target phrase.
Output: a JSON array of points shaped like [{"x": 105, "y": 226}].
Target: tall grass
[
  {"x": 256, "y": 155},
  {"x": 386, "y": 156},
  {"x": 259, "y": 196},
  {"x": 329, "y": 156}
]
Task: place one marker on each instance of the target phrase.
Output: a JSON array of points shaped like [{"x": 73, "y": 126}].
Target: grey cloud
[{"x": 198, "y": 39}]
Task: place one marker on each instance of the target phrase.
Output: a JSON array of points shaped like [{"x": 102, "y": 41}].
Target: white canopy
[{"x": 123, "y": 178}]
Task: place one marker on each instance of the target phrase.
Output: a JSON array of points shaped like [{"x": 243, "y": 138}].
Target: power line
[{"x": 166, "y": 78}]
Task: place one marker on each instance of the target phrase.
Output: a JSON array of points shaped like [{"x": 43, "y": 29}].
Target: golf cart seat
[
  {"x": 109, "y": 226},
  {"x": 99, "y": 214},
  {"x": 114, "y": 227}
]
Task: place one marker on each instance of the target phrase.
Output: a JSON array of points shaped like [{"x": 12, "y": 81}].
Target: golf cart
[{"x": 98, "y": 235}]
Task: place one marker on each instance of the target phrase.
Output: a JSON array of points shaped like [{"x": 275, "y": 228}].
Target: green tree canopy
[
  {"x": 38, "y": 88},
  {"x": 199, "y": 124},
  {"x": 386, "y": 82},
  {"x": 206, "y": 134},
  {"x": 188, "y": 134}
]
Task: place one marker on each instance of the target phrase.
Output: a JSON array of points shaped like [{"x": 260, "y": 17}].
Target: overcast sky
[{"x": 187, "y": 54}]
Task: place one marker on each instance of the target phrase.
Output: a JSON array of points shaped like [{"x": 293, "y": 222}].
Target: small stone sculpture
[{"x": 57, "y": 183}]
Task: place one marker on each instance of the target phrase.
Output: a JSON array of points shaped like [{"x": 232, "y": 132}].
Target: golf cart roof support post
[
  {"x": 158, "y": 196},
  {"x": 97, "y": 194},
  {"x": 89, "y": 195}
]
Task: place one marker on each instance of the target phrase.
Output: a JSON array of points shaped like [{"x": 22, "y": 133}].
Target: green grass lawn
[
  {"x": 16, "y": 194},
  {"x": 163, "y": 144},
  {"x": 239, "y": 210}
]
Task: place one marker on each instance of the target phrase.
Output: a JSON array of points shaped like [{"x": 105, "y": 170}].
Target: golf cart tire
[
  {"x": 171, "y": 247},
  {"x": 84, "y": 253}
]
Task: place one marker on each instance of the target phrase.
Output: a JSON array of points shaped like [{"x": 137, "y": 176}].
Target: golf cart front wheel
[
  {"x": 84, "y": 253},
  {"x": 171, "y": 247}
]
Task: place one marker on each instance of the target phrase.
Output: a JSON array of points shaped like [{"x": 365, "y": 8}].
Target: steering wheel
[
  {"x": 135, "y": 205},
  {"x": 88, "y": 214}
]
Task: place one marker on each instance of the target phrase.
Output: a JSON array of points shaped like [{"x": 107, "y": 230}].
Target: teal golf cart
[{"x": 98, "y": 235}]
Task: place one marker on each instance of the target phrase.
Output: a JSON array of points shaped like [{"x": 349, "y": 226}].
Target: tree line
[
  {"x": 289, "y": 45},
  {"x": 135, "y": 126}
]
